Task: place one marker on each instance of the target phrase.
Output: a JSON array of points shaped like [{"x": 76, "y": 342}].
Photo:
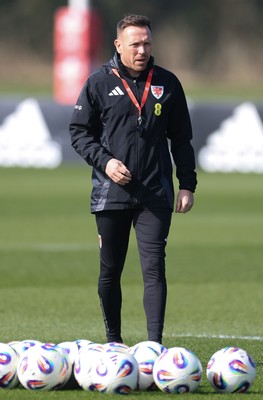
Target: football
[
  {"x": 8, "y": 367},
  {"x": 71, "y": 348},
  {"x": 177, "y": 370},
  {"x": 43, "y": 367},
  {"x": 83, "y": 342},
  {"x": 115, "y": 346},
  {"x": 231, "y": 370},
  {"x": 115, "y": 372},
  {"x": 146, "y": 354},
  {"x": 21, "y": 346},
  {"x": 84, "y": 362}
]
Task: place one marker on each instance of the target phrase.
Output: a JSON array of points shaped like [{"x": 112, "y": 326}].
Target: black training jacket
[{"x": 104, "y": 125}]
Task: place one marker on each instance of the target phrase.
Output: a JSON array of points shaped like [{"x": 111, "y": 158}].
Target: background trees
[{"x": 218, "y": 40}]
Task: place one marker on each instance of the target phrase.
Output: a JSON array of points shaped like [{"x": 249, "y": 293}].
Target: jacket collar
[{"x": 115, "y": 62}]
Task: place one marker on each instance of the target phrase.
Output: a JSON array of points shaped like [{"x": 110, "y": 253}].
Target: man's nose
[{"x": 141, "y": 49}]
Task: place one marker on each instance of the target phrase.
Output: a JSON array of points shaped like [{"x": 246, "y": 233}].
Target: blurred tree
[
  {"x": 210, "y": 38},
  {"x": 28, "y": 24}
]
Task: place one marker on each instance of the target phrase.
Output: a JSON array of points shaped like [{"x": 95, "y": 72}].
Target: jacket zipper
[{"x": 137, "y": 94}]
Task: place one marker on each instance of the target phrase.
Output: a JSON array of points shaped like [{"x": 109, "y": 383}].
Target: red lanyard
[{"x": 131, "y": 95}]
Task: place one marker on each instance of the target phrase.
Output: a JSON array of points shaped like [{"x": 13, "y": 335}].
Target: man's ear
[{"x": 118, "y": 46}]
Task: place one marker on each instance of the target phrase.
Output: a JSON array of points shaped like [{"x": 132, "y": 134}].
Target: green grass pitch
[{"x": 49, "y": 271}]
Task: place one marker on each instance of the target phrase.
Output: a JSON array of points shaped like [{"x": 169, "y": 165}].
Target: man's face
[{"x": 134, "y": 44}]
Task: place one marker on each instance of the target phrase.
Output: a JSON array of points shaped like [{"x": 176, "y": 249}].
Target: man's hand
[
  {"x": 185, "y": 201},
  {"x": 117, "y": 171}
]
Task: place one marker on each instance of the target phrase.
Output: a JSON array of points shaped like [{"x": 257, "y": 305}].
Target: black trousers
[{"x": 151, "y": 229}]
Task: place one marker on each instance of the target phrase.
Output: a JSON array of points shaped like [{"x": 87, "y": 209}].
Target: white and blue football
[
  {"x": 44, "y": 367},
  {"x": 231, "y": 370},
  {"x": 84, "y": 362},
  {"x": 115, "y": 372},
  {"x": 177, "y": 370},
  {"x": 146, "y": 353},
  {"x": 8, "y": 367}
]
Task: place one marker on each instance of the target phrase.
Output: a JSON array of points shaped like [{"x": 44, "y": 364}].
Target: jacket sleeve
[
  {"x": 86, "y": 130},
  {"x": 180, "y": 134}
]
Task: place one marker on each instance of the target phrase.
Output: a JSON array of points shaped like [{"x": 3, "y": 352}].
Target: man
[{"x": 126, "y": 111}]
